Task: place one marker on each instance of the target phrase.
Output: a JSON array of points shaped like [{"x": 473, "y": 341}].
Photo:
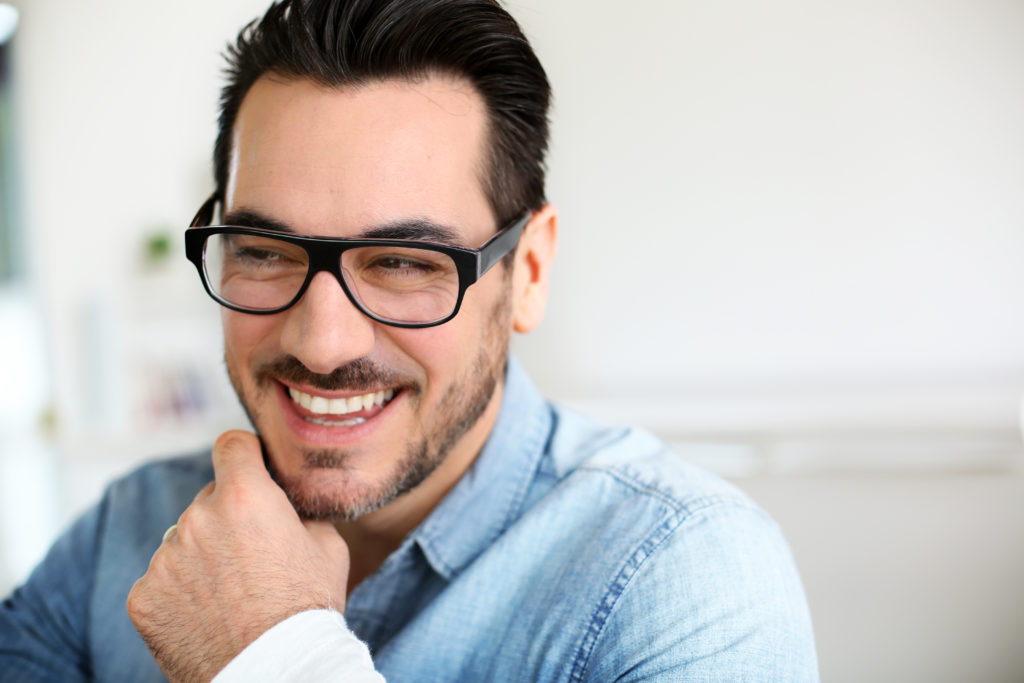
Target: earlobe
[{"x": 534, "y": 257}]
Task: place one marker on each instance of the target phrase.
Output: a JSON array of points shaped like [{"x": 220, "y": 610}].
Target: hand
[{"x": 239, "y": 562}]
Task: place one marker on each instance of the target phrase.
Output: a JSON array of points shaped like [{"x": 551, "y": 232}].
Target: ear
[{"x": 532, "y": 270}]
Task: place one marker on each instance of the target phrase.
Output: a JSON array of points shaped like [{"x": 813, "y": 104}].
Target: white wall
[
  {"x": 786, "y": 193},
  {"x": 791, "y": 239},
  {"x": 914, "y": 577}
]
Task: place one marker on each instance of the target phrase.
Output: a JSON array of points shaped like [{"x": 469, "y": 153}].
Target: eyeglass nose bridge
[{"x": 329, "y": 261}]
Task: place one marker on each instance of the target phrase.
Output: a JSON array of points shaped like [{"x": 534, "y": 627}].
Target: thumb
[{"x": 237, "y": 455}]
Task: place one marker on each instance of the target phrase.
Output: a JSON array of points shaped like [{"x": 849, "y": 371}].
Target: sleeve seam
[
  {"x": 620, "y": 582},
  {"x": 637, "y": 559}
]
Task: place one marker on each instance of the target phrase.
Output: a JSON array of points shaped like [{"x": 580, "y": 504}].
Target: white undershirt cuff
[{"x": 315, "y": 645}]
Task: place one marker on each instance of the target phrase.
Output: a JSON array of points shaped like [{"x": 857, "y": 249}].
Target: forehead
[{"x": 334, "y": 161}]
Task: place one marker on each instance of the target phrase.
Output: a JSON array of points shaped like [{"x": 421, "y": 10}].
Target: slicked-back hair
[{"x": 339, "y": 43}]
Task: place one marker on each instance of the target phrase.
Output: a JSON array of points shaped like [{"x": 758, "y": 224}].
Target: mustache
[{"x": 357, "y": 375}]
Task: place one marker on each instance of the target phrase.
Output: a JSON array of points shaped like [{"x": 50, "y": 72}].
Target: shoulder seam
[{"x": 686, "y": 507}]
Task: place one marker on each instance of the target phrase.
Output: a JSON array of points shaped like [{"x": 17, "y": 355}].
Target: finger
[
  {"x": 335, "y": 552},
  {"x": 171, "y": 532},
  {"x": 205, "y": 492},
  {"x": 326, "y": 537},
  {"x": 237, "y": 456}
]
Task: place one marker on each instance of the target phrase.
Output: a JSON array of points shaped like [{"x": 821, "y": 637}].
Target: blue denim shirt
[{"x": 568, "y": 552}]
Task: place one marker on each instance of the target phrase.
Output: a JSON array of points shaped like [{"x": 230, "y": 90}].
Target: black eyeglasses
[{"x": 403, "y": 283}]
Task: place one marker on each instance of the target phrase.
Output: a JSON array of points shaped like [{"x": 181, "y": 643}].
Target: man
[{"x": 409, "y": 507}]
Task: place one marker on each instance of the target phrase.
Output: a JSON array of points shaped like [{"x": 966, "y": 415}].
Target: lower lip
[{"x": 314, "y": 434}]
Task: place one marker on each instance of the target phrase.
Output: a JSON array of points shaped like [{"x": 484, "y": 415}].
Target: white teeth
[
  {"x": 339, "y": 406},
  {"x": 337, "y": 423},
  {"x": 304, "y": 400}
]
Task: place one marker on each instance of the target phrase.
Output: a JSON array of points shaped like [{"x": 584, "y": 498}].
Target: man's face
[{"x": 343, "y": 163}]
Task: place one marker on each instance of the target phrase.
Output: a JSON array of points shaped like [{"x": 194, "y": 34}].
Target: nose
[{"x": 324, "y": 330}]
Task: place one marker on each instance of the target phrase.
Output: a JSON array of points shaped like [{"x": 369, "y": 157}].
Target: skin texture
[
  {"x": 340, "y": 163},
  {"x": 209, "y": 560}
]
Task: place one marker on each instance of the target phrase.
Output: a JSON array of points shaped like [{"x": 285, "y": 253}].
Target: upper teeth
[{"x": 339, "y": 406}]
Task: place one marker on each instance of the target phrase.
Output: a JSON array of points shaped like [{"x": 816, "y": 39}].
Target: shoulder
[
  {"x": 68, "y": 621},
  {"x": 654, "y": 502},
  {"x": 637, "y": 465},
  {"x": 162, "y": 483},
  {"x": 696, "y": 577},
  {"x": 135, "y": 512},
  {"x": 144, "y": 502},
  {"x": 169, "y": 472}
]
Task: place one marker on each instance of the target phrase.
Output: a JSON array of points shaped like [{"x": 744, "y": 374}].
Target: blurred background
[{"x": 792, "y": 244}]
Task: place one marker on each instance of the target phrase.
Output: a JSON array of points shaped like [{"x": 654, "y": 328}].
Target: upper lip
[{"x": 346, "y": 393}]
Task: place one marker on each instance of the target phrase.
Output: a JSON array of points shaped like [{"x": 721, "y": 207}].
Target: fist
[{"x": 239, "y": 562}]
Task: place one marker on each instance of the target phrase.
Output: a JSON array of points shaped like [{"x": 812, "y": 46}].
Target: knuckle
[
  {"x": 205, "y": 492},
  {"x": 238, "y": 499},
  {"x": 196, "y": 523},
  {"x": 137, "y": 603},
  {"x": 160, "y": 566},
  {"x": 189, "y": 521}
]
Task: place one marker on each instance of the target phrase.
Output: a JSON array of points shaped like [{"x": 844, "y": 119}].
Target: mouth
[{"x": 342, "y": 411}]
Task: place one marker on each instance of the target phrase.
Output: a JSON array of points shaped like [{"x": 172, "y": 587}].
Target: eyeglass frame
[{"x": 325, "y": 255}]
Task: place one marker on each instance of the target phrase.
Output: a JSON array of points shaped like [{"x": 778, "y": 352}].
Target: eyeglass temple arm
[
  {"x": 204, "y": 216},
  {"x": 502, "y": 243}
]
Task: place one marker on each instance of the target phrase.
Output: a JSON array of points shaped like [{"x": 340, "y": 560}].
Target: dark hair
[{"x": 350, "y": 42}]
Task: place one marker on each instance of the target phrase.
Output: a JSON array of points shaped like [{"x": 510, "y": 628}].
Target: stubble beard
[{"x": 460, "y": 407}]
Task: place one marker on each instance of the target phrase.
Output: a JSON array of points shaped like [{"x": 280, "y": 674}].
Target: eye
[
  {"x": 258, "y": 254},
  {"x": 399, "y": 268},
  {"x": 394, "y": 264}
]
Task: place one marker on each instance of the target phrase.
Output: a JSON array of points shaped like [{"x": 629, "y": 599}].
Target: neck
[{"x": 374, "y": 536}]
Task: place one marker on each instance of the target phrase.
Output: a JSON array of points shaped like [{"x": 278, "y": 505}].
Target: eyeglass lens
[{"x": 402, "y": 284}]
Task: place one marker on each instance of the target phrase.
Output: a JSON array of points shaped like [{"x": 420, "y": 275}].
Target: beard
[{"x": 462, "y": 403}]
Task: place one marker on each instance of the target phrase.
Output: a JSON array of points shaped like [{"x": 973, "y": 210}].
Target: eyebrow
[
  {"x": 415, "y": 229},
  {"x": 253, "y": 219}
]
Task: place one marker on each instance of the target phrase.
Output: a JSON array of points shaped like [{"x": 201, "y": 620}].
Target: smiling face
[{"x": 354, "y": 413}]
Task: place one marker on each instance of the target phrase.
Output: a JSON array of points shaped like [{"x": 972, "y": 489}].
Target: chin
[
  {"x": 336, "y": 497},
  {"x": 327, "y": 485}
]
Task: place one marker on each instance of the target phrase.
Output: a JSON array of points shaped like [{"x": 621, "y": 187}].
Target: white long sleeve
[{"x": 310, "y": 646}]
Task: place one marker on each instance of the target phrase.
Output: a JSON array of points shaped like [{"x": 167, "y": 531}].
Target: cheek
[
  {"x": 443, "y": 354},
  {"x": 448, "y": 350},
  {"x": 431, "y": 348},
  {"x": 244, "y": 333}
]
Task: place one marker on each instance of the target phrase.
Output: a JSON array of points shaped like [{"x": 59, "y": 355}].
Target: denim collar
[{"x": 489, "y": 496}]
